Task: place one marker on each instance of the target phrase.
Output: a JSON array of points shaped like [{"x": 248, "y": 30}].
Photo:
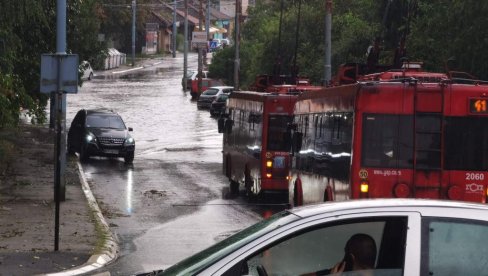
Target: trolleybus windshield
[
  {"x": 466, "y": 143},
  {"x": 277, "y": 128},
  {"x": 387, "y": 141}
]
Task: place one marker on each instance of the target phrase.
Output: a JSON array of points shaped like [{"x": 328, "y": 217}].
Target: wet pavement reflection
[{"x": 173, "y": 200}]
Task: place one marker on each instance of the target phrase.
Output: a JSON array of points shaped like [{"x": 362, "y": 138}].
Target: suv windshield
[
  {"x": 104, "y": 121},
  {"x": 277, "y": 127}
]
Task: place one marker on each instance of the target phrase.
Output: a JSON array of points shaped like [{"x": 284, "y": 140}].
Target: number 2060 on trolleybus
[{"x": 401, "y": 133}]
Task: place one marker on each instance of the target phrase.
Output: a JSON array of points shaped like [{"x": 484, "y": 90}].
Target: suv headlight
[
  {"x": 90, "y": 138},
  {"x": 129, "y": 141}
]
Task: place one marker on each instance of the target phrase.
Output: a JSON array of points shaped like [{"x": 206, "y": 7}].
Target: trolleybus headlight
[
  {"x": 364, "y": 186},
  {"x": 269, "y": 164},
  {"x": 268, "y": 175},
  {"x": 401, "y": 190}
]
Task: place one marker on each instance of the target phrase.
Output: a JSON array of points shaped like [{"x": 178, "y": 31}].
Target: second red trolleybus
[
  {"x": 402, "y": 133},
  {"x": 256, "y": 153}
]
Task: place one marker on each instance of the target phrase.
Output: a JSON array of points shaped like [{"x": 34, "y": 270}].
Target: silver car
[
  {"x": 208, "y": 96},
  {"x": 411, "y": 237}
]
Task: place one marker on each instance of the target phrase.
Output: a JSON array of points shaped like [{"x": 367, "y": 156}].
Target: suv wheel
[
  {"x": 71, "y": 150},
  {"x": 84, "y": 156},
  {"x": 129, "y": 158}
]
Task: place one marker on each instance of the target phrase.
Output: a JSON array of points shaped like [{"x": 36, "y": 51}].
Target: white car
[
  {"x": 86, "y": 70},
  {"x": 208, "y": 96},
  {"x": 411, "y": 237}
]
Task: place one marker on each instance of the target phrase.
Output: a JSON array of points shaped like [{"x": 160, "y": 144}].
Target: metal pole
[
  {"x": 237, "y": 40},
  {"x": 60, "y": 153},
  {"x": 185, "y": 55},
  {"x": 133, "y": 31},
  {"x": 207, "y": 21},
  {"x": 174, "y": 28},
  {"x": 328, "y": 42},
  {"x": 200, "y": 65}
]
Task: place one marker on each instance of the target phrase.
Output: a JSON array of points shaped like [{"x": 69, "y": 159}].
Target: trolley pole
[
  {"x": 328, "y": 42},
  {"x": 237, "y": 44}
]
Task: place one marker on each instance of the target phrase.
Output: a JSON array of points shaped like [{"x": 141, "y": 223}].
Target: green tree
[
  {"x": 451, "y": 29},
  {"x": 27, "y": 30}
]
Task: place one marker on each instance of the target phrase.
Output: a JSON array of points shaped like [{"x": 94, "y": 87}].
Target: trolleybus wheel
[
  {"x": 297, "y": 193},
  {"x": 234, "y": 188}
]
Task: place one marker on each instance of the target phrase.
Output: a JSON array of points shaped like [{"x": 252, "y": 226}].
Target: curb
[{"x": 110, "y": 249}]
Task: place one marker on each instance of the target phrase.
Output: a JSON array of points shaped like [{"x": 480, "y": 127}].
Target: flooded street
[{"x": 171, "y": 202}]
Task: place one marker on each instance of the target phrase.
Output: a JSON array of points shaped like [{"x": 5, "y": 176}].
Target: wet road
[{"x": 170, "y": 203}]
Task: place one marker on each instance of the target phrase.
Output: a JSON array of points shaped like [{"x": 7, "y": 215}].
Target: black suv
[{"x": 100, "y": 132}]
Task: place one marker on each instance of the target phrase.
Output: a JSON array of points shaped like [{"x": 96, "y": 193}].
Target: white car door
[{"x": 317, "y": 243}]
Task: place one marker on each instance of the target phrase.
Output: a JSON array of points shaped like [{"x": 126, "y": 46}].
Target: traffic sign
[
  {"x": 59, "y": 72},
  {"x": 199, "y": 37}
]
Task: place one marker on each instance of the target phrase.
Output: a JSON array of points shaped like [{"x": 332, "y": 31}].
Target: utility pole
[
  {"x": 237, "y": 44},
  {"x": 60, "y": 104},
  {"x": 328, "y": 42},
  {"x": 207, "y": 21},
  {"x": 174, "y": 28},
  {"x": 133, "y": 32},
  {"x": 185, "y": 54},
  {"x": 200, "y": 65}
]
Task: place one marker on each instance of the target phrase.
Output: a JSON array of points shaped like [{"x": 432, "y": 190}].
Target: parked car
[
  {"x": 86, "y": 71},
  {"x": 209, "y": 95},
  {"x": 225, "y": 42},
  {"x": 219, "y": 105},
  {"x": 206, "y": 83},
  {"x": 100, "y": 132},
  {"x": 412, "y": 237},
  {"x": 215, "y": 45},
  {"x": 192, "y": 75}
]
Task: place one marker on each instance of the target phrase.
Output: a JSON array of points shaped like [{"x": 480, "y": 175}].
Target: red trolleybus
[
  {"x": 401, "y": 133},
  {"x": 256, "y": 141}
]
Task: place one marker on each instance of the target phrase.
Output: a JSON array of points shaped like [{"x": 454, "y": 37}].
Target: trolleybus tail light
[
  {"x": 455, "y": 193},
  {"x": 269, "y": 167},
  {"x": 401, "y": 190},
  {"x": 364, "y": 188}
]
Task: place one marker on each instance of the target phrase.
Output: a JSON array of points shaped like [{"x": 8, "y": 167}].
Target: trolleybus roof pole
[
  {"x": 328, "y": 43},
  {"x": 237, "y": 40}
]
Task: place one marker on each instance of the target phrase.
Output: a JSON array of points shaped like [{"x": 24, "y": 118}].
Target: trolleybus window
[
  {"x": 387, "y": 141},
  {"x": 277, "y": 128},
  {"x": 466, "y": 143}
]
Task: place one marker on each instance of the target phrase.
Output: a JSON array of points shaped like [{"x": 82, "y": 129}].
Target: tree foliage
[
  {"x": 27, "y": 30},
  {"x": 435, "y": 31}
]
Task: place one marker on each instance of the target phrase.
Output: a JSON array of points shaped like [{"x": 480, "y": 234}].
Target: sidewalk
[{"x": 27, "y": 211}]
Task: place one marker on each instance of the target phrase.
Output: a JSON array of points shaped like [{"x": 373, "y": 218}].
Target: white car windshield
[{"x": 211, "y": 92}]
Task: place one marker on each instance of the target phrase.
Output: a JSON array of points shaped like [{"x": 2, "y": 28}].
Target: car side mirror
[
  {"x": 296, "y": 142},
  {"x": 130, "y": 129},
  {"x": 220, "y": 124},
  {"x": 228, "y": 126}
]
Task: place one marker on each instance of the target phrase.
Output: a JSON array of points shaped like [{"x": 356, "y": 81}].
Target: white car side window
[{"x": 319, "y": 249}]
